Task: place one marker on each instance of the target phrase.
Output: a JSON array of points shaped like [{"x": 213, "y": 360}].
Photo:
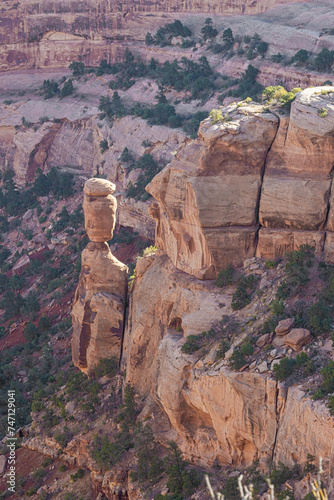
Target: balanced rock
[
  {"x": 100, "y": 209},
  {"x": 98, "y": 309},
  {"x": 284, "y": 326},
  {"x": 297, "y": 338}
]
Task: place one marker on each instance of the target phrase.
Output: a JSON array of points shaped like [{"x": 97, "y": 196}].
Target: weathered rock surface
[
  {"x": 100, "y": 209},
  {"x": 212, "y": 412},
  {"x": 55, "y": 35},
  {"x": 297, "y": 338},
  {"x": 98, "y": 309},
  {"x": 284, "y": 326},
  {"x": 231, "y": 195},
  {"x": 208, "y": 195},
  {"x": 305, "y": 427}
]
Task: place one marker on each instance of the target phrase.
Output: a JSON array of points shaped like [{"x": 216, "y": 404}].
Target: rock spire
[{"x": 98, "y": 309}]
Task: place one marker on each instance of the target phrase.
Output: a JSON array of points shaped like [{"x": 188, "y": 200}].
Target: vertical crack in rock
[
  {"x": 85, "y": 336},
  {"x": 279, "y": 410},
  {"x": 257, "y": 208}
]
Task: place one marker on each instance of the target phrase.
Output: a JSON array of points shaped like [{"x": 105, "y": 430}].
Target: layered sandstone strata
[
  {"x": 98, "y": 309},
  {"x": 209, "y": 410},
  {"x": 208, "y": 195},
  {"x": 254, "y": 182},
  {"x": 63, "y": 31}
]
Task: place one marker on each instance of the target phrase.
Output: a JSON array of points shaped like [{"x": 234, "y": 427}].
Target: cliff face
[
  {"x": 53, "y": 34},
  {"x": 212, "y": 412},
  {"x": 234, "y": 192}
]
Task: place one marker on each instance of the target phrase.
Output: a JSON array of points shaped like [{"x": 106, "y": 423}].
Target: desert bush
[
  {"x": 301, "y": 56},
  {"x": 67, "y": 88},
  {"x": 226, "y": 277},
  {"x": 107, "y": 366},
  {"x": 284, "y": 368},
  {"x": 104, "y": 146},
  {"x": 193, "y": 343},
  {"x": 244, "y": 292},
  {"x": 324, "y": 60},
  {"x": 78, "y": 475}
]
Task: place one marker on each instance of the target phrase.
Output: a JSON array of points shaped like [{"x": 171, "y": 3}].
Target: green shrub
[
  {"x": 223, "y": 347},
  {"x": 37, "y": 406},
  {"x": 319, "y": 318},
  {"x": 277, "y": 308},
  {"x": 50, "y": 89},
  {"x": 277, "y": 58},
  {"x": 150, "y": 467},
  {"x": 38, "y": 474},
  {"x": 192, "y": 344},
  {"x": 67, "y": 88},
  {"x": 327, "y": 375},
  {"x": 324, "y": 60},
  {"x": 247, "y": 348},
  {"x": 107, "y": 366},
  {"x": 48, "y": 461},
  {"x": 64, "y": 437},
  {"x": 331, "y": 405},
  {"x": 226, "y": 277},
  {"x": 244, "y": 292},
  {"x": 78, "y": 475},
  {"x": 301, "y": 56},
  {"x": 78, "y": 68},
  {"x": 181, "y": 479},
  {"x": 208, "y": 31},
  {"x": 63, "y": 468},
  {"x": 104, "y": 146},
  {"x": 237, "y": 360},
  {"x": 280, "y": 474},
  {"x": 284, "y": 368}
]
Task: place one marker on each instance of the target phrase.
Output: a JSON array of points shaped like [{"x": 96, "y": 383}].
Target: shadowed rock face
[
  {"x": 256, "y": 183},
  {"x": 98, "y": 309}
]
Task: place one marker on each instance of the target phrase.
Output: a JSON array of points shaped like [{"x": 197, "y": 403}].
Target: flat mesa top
[{"x": 99, "y": 187}]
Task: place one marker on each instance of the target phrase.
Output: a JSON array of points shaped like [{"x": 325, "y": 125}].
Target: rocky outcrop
[
  {"x": 54, "y": 34},
  {"x": 234, "y": 193},
  {"x": 212, "y": 412},
  {"x": 98, "y": 309},
  {"x": 208, "y": 195}
]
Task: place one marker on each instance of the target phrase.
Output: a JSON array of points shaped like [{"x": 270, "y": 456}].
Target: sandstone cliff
[
  {"x": 212, "y": 412},
  {"x": 232, "y": 194}
]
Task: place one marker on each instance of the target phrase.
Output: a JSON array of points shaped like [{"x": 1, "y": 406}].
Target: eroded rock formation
[
  {"x": 257, "y": 182},
  {"x": 52, "y": 34},
  {"x": 213, "y": 413},
  {"x": 98, "y": 309}
]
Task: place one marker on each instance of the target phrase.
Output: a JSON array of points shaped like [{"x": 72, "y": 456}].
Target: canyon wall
[
  {"x": 256, "y": 182},
  {"x": 53, "y": 34},
  {"x": 213, "y": 413}
]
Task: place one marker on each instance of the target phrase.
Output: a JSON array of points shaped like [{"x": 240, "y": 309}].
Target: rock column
[{"x": 99, "y": 302}]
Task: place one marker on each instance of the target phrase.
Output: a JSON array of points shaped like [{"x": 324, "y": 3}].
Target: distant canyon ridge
[{"x": 46, "y": 34}]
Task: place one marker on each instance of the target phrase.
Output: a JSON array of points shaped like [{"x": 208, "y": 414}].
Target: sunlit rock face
[
  {"x": 98, "y": 309},
  {"x": 257, "y": 182},
  {"x": 53, "y": 34}
]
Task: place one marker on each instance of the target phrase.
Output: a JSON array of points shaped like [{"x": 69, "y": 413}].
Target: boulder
[
  {"x": 263, "y": 340},
  {"x": 23, "y": 262},
  {"x": 297, "y": 338},
  {"x": 100, "y": 209},
  {"x": 284, "y": 326},
  {"x": 263, "y": 367}
]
